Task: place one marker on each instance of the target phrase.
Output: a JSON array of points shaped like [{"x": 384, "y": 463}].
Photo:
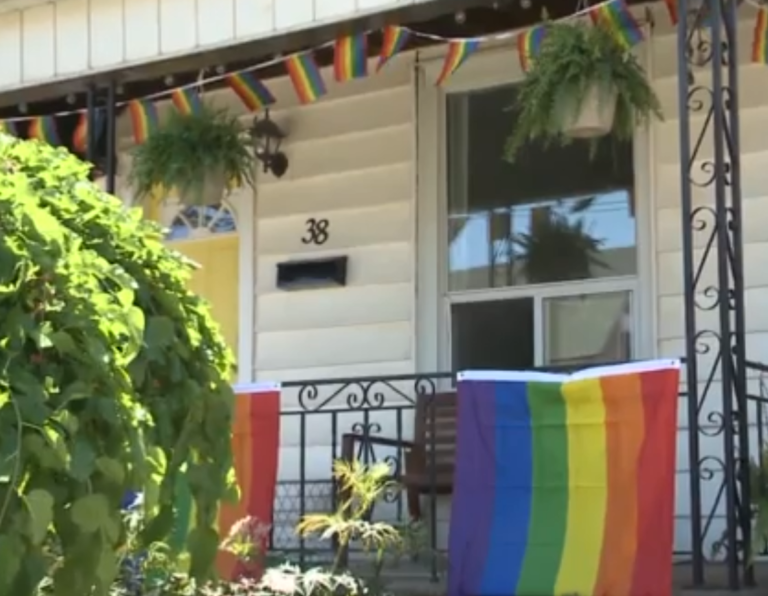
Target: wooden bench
[{"x": 429, "y": 459}]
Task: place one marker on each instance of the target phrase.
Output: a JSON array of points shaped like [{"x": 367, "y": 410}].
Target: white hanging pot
[
  {"x": 211, "y": 192},
  {"x": 594, "y": 117}
]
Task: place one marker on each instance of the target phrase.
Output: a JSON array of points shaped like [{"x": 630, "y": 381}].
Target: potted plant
[
  {"x": 583, "y": 84},
  {"x": 201, "y": 155}
]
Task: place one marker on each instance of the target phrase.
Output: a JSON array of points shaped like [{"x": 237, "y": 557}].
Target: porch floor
[{"x": 412, "y": 579}]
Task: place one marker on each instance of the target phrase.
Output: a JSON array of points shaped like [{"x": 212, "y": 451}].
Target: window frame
[{"x": 490, "y": 68}]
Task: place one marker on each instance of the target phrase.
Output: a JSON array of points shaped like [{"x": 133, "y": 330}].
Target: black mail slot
[{"x": 312, "y": 273}]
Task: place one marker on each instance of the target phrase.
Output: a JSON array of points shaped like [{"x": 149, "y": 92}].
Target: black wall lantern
[{"x": 267, "y": 136}]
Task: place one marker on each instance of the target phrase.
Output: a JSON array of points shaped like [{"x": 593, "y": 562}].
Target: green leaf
[
  {"x": 83, "y": 460},
  {"x": 159, "y": 332},
  {"x": 64, "y": 343},
  {"x": 11, "y": 553},
  {"x": 91, "y": 512},
  {"x": 40, "y": 505},
  {"x": 203, "y": 545},
  {"x": 112, "y": 469}
]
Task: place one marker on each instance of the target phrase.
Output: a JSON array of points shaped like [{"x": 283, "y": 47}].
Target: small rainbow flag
[
  {"x": 350, "y": 57},
  {"x": 251, "y": 91},
  {"x": 144, "y": 119},
  {"x": 80, "y": 136},
  {"x": 255, "y": 449},
  {"x": 306, "y": 77},
  {"x": 618, "y": 19},
  {"x": 458, "y": 52},
  {"x": 528, "y": 45},
  {"x": 394, "y": 40},
  {"x": 565, "y": 484},
  {"x": 43, "y": 128},
  {"x": 187, "y": 101},
  {"x": 672, "y": 10},
  {"x": 9, "y": 127},
  {"x": 760, "y": 41}
]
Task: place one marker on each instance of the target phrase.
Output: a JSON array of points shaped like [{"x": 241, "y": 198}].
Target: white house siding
[
  {"x": 65, "y": 39},
  {"x": 753, "y": 110},
  {"x": 351, "y": 162}
]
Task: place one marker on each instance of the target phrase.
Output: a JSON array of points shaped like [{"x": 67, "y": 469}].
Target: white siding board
[
  {"x": 379, "y": 264},
  {"x": 215, "y": 22},
  {"x": 178, "y": 26},
  {"x": 254, "y": 18},
  {"x": 72, "y": 50},
  {"x": 107, "y": 39},
  {"x": 142, "y": 30},
  {"x": 291, "y": 15},
  {"x": 38, "y": 43},
  {"x": 11, "y": 42}
]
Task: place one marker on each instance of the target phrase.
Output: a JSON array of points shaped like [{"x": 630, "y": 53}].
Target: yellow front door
[{"x": 217, "y": 279}]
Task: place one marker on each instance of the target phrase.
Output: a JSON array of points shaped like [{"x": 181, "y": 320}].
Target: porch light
[{"x": 267, "y": 136}]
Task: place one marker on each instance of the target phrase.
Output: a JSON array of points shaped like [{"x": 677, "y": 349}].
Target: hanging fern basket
[
  {"x": 210, "y": 192},
  {"x": 591, "y": 118}
]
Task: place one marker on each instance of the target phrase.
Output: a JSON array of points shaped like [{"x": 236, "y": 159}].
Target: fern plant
[
  {"x": 573, "y": 59},
  {"x": 199, "y": 155}
]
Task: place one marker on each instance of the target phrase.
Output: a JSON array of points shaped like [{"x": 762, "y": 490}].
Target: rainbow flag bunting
[
  {"x": 394, "y": 41},
  {"x": 350, "y": 58},
  {"x": 458, "y": 52},
  {"x": 528, "y": 46},
  {"x": 251, "y": 91},
  {"x": 760, "y": 41},
  {"x": 618, "y": 19},
  {"x": 306, "y": 77},
  {"x": 565, "y": 484},
  {"x": 187, "y": 101},
  {"x": 255, "y": 449},
  {"x": 144, "y": 119},
  {"x": 80, "y": 136},
  {"x": 9, "y": 127},
  {"x": 672, "y": 10},
  {"x": 43, "y": 128}
]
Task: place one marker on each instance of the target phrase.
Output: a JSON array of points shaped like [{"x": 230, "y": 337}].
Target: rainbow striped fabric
[
  {"x": 187, "y": 100},
  {"x": 144, "y": 119},
  {"x": 251, "y": 91},
  {"x": 9, "y": 127},
  {"x": 350, "y": 58},
  {"x": 528, "y": 45},
  {"x": 43, "y": 128},
  {"x": 255, "y": 445},
  {"x": 458, "y": 52},
  {"x": 305, "y": 77},
  {"x": 618, "y": 19},
  {"x": 672, "y": 10},
  {"x": 80, "y": 136},
  {"x": 760, "y": 40},
  {"x": 394, "y": 41},
  {"x": 565, "y": 484}
]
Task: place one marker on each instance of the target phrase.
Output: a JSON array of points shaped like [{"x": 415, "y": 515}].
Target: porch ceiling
[{"x": 483, "y": 17}]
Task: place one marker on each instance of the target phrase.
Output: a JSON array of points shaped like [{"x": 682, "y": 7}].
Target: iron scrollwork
[{"x": 716, "y": 369}]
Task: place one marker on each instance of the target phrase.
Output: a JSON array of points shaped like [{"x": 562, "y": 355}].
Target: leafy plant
[
  {"x": 559, "y": 247},
  {"x": 191, "y": 150},
  {"x": 113, "y": 377},
  {"x": 574, "y": 57}
]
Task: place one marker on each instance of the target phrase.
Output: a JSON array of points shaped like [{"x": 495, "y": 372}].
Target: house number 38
[{"x": 316, "y": 231}]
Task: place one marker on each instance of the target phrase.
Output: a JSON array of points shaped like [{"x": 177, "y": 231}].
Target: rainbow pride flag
[
  {"x": 458, "y": 52},
  {"x": 529, "y": 45},
  {"x": 80, "y": 136},
  {"x": 760, "y": 39},
  {"x": 187, "y": 101},
  {"x": 251, "y": 91},
  {"x": 255, "y": 446},
  {"x": 564, "y": 484},
  {"x": 394, "y": 40},
  {"x": 350, "y": 57},
  {"x": 144, "y": 119},
  {"x": 43, "y": 128},
  {"x": 306, "y": 77},
  {"x": 619, "y": 20},
  {"x": 9, "y": 127}
]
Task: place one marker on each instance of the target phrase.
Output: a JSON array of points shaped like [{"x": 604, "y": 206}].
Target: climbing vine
[{"x": 113, "y": 377}]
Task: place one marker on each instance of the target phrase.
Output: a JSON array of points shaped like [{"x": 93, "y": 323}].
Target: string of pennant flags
[{"x": 350, "y": 62}]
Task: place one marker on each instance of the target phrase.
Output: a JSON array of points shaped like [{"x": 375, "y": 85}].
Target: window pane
[
  {"x": 553, "y": 215},
  {"x": 588, "y": 329},
  {"x": 496, "y": 335}
]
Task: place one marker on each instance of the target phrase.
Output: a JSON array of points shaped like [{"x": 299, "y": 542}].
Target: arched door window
[{"x": 199, "y": 221}]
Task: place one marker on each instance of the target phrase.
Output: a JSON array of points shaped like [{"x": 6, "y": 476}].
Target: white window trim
[{"x": 490, "y": 68}]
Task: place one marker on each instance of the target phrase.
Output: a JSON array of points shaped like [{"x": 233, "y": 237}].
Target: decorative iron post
[{"x": 712, "y": 244}]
